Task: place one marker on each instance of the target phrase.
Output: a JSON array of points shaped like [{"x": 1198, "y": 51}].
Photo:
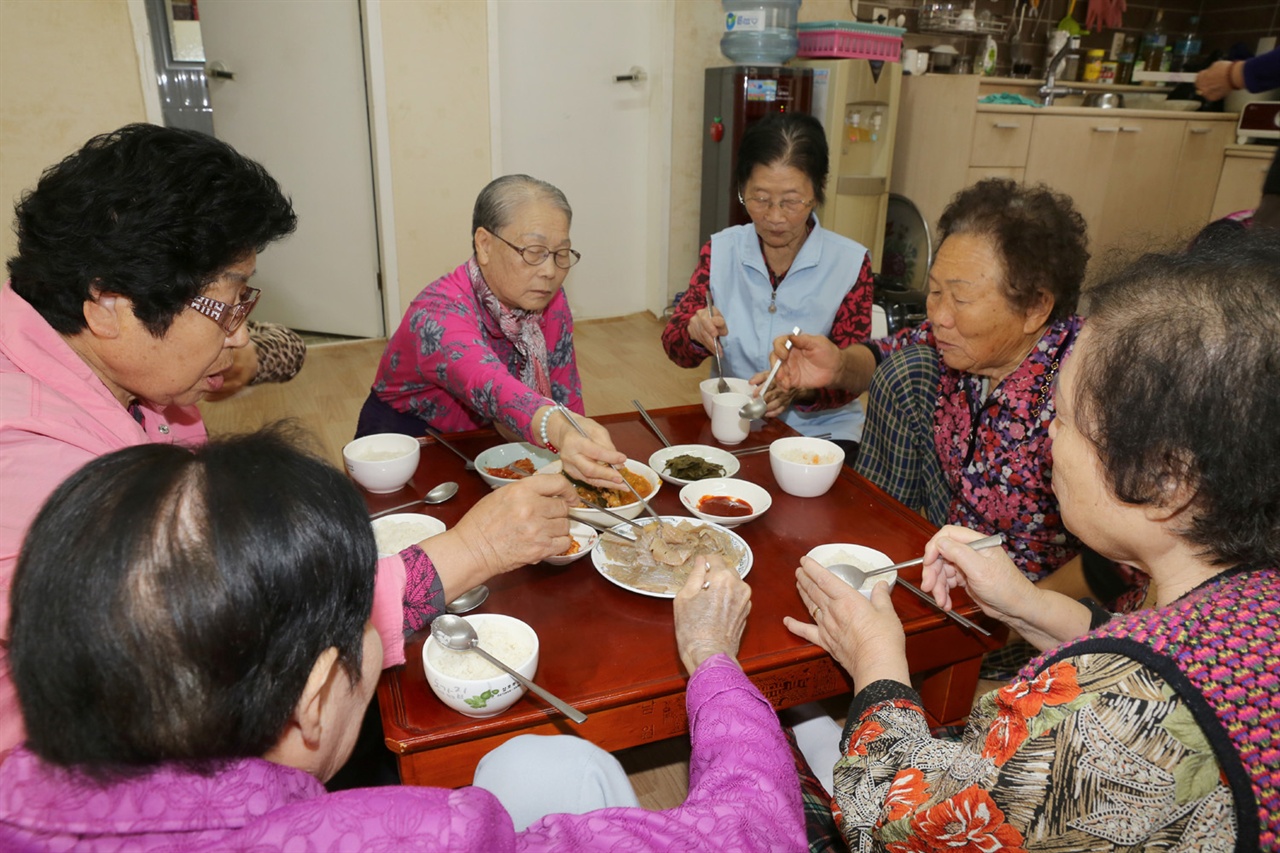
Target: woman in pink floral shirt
[{"x": 491, "y": 343}]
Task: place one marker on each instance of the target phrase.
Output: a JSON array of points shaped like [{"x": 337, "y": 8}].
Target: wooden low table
[{"x": 612, "y": 653}]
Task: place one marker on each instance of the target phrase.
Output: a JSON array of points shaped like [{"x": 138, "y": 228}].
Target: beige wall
[{"x": 68, "y": 71}]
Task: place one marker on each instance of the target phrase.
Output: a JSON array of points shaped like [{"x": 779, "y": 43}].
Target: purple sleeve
[
  {"x": 744, "y": 794},
  {"x": 423, "y": 590},
  {"x": 1262, "y": 72}
]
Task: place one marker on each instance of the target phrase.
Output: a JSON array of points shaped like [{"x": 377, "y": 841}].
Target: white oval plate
[
  {"x": 714, "y": 455},
  {"x": 620, "y": 573}
]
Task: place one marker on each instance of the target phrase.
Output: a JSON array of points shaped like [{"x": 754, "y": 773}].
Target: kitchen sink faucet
[{"x": 1049, "y": 90}]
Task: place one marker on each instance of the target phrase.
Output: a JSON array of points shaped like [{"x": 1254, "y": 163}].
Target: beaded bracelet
[{"x": 542, "y": 429}]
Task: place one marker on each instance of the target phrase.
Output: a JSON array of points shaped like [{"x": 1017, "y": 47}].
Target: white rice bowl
[
  {"x": 394, "y": 533},
  {"x": 858, "y": 556},
  {"x": 468, "y": 683}
]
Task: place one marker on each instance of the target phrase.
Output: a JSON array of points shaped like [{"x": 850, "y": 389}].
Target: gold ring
[{"x": 816, "y": 612}]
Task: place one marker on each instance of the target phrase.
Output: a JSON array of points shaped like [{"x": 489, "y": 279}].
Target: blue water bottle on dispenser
[{"x": 760, "y": 32}]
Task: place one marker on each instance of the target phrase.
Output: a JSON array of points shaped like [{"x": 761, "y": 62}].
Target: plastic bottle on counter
[
  {"x": 1155, "y": 45},
  {"x": 1093, "y": 66},
  {"x": 1071, "y": 64},
  {"x": 989, "y": 54},
  {"x": 1124, "y": 67},
  {"x": 1187, "y": 48}
]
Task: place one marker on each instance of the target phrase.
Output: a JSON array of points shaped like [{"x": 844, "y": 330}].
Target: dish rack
[
  {"x": 950, "y": 22},
  {"x": 846, "y": 40}
]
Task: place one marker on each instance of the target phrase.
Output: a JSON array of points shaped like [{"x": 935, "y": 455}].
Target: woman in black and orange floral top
[{"x": 1155, "y": 730}]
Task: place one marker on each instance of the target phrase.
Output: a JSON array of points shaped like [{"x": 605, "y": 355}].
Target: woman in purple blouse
[
  {"x": 193, "y": 661},
  {"x": 491, "y": 343}
]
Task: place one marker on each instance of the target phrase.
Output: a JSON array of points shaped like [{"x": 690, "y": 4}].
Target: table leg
[{"x": 948, "y": 693}]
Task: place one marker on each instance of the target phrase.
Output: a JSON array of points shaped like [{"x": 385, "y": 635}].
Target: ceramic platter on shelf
[{"x": 908, "y": 250}]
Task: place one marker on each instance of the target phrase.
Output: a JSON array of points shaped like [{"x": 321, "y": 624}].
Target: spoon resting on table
[{"x": 437, "y": 495}]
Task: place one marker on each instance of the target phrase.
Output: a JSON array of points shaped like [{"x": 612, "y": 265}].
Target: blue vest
[{"x": 822, "y": 274}]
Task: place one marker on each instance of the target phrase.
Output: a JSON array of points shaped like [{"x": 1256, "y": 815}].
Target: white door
[
  {"x": 560, "y": 116},
  {"x": 297, "y": 105}
]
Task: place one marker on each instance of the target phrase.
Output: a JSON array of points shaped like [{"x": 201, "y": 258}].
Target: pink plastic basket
[{"x": 850, "y": 41}]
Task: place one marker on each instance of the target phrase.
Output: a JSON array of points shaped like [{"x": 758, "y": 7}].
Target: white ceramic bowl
[
  {"x": 402, "y": 529},
  {"x": 629, "y": 510},
  {"x": 504, "y": 454},
  {"x": 856, "y": 555},
  {"x": 487, "y": 696},
  {"x": 756, "y": 496},
  {"x": 815, "y": 474},
  {"x": 382, "y": 462},
  {"x": 585, "y": 536},
  {"x": 708, "y": 387},
  {"x": 723, "y": 458},
  {"x": 1187, "y": 106}
]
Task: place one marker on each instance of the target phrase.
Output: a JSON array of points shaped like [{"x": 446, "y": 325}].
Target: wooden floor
[{"x": 619, "y": 359}]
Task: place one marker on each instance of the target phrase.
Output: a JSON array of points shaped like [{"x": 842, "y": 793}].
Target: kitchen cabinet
[
  {"x": 1240, "y": 182},
  {"x": 1142, "y": 179}
]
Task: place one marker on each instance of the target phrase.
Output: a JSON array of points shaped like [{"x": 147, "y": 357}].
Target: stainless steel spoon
[
  {"x": 454, "y": 632},
  {"x": 437, "y": 495},
  {"x": 469, "y": 600},
  {"x": 856, "y": 577},
  {"x": 756, "y": 408},
  {"x": 721, "y": 386}
]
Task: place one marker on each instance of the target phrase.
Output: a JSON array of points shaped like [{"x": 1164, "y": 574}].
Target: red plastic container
[{"x": 844, "y": 40}]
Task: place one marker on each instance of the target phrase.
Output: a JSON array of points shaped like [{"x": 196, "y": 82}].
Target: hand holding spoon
[
  {"x": 757, "y": 407},
  {"x": 454, "y": 632}
]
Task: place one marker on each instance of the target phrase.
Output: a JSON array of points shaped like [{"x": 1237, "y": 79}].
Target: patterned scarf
[{"x": 521, "y": 329}]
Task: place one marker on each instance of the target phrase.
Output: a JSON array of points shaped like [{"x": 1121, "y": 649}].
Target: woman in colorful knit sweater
[{"x": 1159, "y": 729}]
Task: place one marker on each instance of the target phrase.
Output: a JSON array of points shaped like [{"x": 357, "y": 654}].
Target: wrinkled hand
[
  {"x": 705, "y": 327},
  {"x": 588, "y": 459},
  {"x": 241, "y": 372},
  {"x": 992, "y": 580},
  {"x": 1214, "y": 82},
  {"x": 710, "y": 621},
  {"x": 865, "y": 637},
  {"x": 812, "y": 362},
  {"x": 519, "y": 524},
  {"x": 777, "y": 399}
]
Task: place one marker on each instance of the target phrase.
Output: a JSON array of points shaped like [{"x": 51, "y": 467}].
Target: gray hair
[{"x": 497, "y": 203}]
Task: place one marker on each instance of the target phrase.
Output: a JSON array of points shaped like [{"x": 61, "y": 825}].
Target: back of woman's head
[
  {"x": 785, "y": 139},
  {"x": 169, "y": 602},
  {"x": 1180, "y": 393},
  {"x": 1037, "y": 232},
  {"x": 152, "y": 213}
]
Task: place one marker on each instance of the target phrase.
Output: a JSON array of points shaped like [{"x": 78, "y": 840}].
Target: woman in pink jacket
[{"x": 190, "y": 697}]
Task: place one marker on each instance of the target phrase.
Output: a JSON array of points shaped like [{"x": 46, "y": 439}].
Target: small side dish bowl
[
  {"x": 468, "y": 683},
  {"x": 708, "y": 389},
  {"x": 504, "y": 455},
  {"x": 584, "y": 536},
  {"x": 756, "y": 498},
  {"x": 396, "y": 532},
  {"x": 858, "y": 556},
  {"x": 805, "y": 467},
  {"x": 382, "y": 462},
  {"x": 631, "y": 509},
  {"x": 714, "y": 455}
]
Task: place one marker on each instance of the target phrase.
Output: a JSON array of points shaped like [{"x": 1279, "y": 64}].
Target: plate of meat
[{"x": 658, "y": 564}]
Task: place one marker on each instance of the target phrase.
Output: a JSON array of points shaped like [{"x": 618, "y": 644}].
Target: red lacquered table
[{"x": 612, "y": 653}]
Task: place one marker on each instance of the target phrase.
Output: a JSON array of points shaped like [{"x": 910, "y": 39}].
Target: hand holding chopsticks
[{"x": 574, "y": 423}]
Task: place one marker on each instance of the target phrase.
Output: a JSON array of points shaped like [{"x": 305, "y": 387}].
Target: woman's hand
[
  {"x": 514, "y": 526},
  {"x": 865, "y": 637},
  {"x": 1215, "y": 82},
  {"x": 777, "y": 399},
  {"x": 710, "y": 612},
  {"x": 588, "y": 459},
  {"x": 992, "y": 580},
  {"x": 812, "y": 362},
  {"x": 705, "y": 326}
]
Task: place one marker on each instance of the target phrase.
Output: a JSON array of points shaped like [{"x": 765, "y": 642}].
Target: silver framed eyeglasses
[
  {"x": 229, "y": 317},
  {"x": 789, "y": 206},
  {"x": 535, "y": 255}
]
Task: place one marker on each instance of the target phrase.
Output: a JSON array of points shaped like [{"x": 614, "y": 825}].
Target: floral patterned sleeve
[
  {"x": 423, "y": 591},
  {"x": 682, "y": 349},
  {"x": 1095, "y": 753},
  {"x": 852, "y": 325}
]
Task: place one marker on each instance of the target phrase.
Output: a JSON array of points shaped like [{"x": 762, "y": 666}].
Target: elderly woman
[
  {"x": 960, "y": 406},
  {"x": 1155, "y": 730},
  {"x": 213, "y": 666},
  {"x": 126, "y": 303},
  {"x": 491, "y": 343},
  {"x": 781, "y": 271}
]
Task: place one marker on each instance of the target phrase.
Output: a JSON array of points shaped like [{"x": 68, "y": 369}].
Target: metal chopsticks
[
  {"x": 950, "y": 613},
  {"x": 652, "y": 425},
  {"x": 434, "y": 433},
  {"x": 560, "y": 407},
  {"x": 747, "y": 451}
]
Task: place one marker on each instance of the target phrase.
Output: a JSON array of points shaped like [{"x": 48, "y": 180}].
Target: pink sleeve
[{"x": 388, "y": 609}]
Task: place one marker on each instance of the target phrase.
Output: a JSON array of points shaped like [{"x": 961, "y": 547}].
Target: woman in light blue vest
[{"x": 781, "y": 271}]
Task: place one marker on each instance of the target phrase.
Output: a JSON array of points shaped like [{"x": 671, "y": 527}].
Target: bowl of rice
[
  {"x": 858, "y": 556},
  {"x": 805, "y": 467},
  {"x": 396, "y": 532},
  {"x": 382, "y": 462},
  {"x": 468, "y": 683},
  {"x": 584, "y": 539}
]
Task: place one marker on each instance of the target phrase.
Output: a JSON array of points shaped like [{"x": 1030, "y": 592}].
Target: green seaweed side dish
[{"x": 689, "y": 467}]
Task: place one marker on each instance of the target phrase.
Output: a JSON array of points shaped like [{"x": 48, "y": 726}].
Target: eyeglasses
[
  {"x": 229, "y": 317},
  {"x": 535, "y": 255},
  {"x": 788, "y": 206}
]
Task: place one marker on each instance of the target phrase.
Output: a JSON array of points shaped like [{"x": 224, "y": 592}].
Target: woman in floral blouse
[
  {"x": 959, "y": 407},
  {"x": 1155, "y": 730},
  {"x": 491, "y": 343}
]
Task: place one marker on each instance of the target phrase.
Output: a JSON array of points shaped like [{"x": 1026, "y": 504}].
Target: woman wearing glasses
[
  {"x": 491, "y": 343},
  {"x": 781, "y": 271}
]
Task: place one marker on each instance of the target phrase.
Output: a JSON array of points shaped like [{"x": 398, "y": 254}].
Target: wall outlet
[{"x": 879, "y": 14}]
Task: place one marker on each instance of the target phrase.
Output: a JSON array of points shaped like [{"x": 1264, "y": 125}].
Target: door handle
[
  {"x": 635, "y": 76},
  {"x": 218, "y": 70}
]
